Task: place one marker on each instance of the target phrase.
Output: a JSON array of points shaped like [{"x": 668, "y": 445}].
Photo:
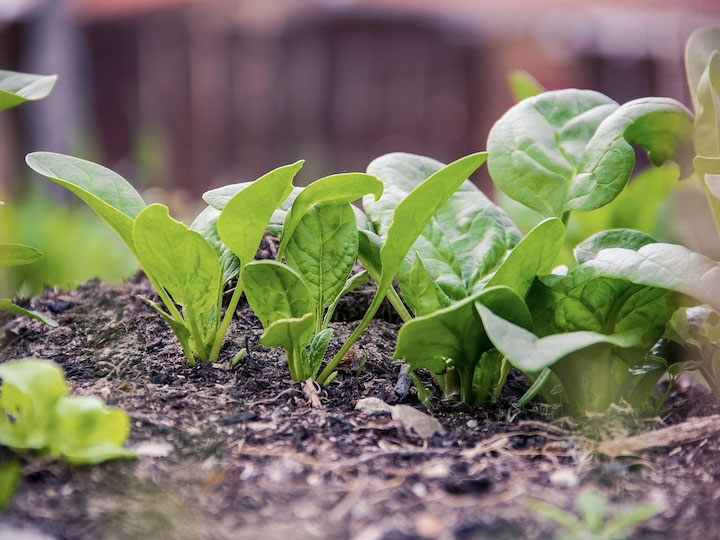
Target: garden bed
[{"x": 245, "y": 453}]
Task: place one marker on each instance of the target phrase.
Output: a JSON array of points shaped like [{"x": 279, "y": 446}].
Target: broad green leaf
[
  {"x": 571, "y": 149},
  {"x": 454, "y": 337},
  {"x": 9, "y": 307},
  {"x": 323, "y": 250},
  {"x": 17, "y": 255},
  {"x": 331, "y": 190},
  {"x": 18, "y": 88},
  {"x": 537, "y": 146},
  {"x": 10, "y": 475},
  {"x": 318, "y": 346},
  {"x": 180, "y": 259},
  {"x": 534, "y": 255},
  {"x": 293, "y": 335},
  {"x": 423, "y": 294},
  {"x": 622, "y": 238},
  {"x": 245, "y": 217},
  {"x": 107, "y": 193},
  {"x": 524, "y": 85},
  {"x": 666, "y": 266},
  {"x": 85, "y": 431},
  {"x": 28, "y": 394},
  {"x": 700, "y": 47},
  {"x": 528, "y": 352},
  {"x": 707, "y": 110},
  {"x": 206, "y": 225},
  {"x": 463, "y": 236},
  {"x": 275, "y": 291},
  {"x": 662, "y": 126}
]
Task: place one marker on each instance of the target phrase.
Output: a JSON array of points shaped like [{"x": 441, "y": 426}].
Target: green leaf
[
  {"x": 701, "y": 46},
  {"x": 433, "y": 210},
  {"x": 423, "y": 294},
  {"x": 30, "y": 388},
  {"x": 18, "y": 88},
  {"x": 354, "y": 282},
  {"x": 180, "y": 259},
  {"x": 293, "y": 335},
  {"x": 245, "y": 217},
  {"x": 369, "y": 245},
  {"x": 324, "y": 249},
  {"x": 534, "y": 255},
  {"x": 335, "y": 190},
  {"x": 622, "y": 238},
  {"x": 107, "y": 193},
  {"x": 556, "y": 514},
  {"x": 10, "y": 475},
  {"x": 275, "y": 291},
  {"x": 206, "y": 225},
  {"x": 591, "y": 507},
  {"x": 318, "y": 346},
  {"x": 524, "y": 85},
  {"x": 708, "y": 171},
  {"x": 9, "y": 307},
  {"x": 571, "y": 149},
  {"x": 528, "y": 352},
  {"x": 618, "y": 526},
  {"x": 84, "y": 431},
  {"x": 707, "y": 110},
  {"x": 662, "y": 126},
  {"x": 17, "y": 255}
]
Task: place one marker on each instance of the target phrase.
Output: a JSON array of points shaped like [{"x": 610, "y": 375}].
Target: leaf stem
[
  {"x": 220, "y": 335},
  {"x": 398, "y": 304},
  {"x": 196, "y": 334}
]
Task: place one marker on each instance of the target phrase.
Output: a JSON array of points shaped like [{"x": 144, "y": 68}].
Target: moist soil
[{"x": 245, "y": 453}]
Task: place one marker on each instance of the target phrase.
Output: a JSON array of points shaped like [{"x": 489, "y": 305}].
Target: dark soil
[{"x": 243, "y": 453}]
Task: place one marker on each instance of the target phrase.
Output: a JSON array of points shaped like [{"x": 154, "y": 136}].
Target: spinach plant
[
  {"x": 16, "y": 89},
  {"x": 468, "y": 252},
  {"x": 37, "y": 414},
  {"x": 188, "y": 267}
]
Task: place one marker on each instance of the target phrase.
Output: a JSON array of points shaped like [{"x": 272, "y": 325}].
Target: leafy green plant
[
  {"x": 36, "y": 414},
  {"x": 16, "y": 89},
  {"x": 594, "y": 521}
]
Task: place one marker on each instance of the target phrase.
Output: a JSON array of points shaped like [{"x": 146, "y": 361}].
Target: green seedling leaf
[
  {"x": 84, "y": 431},
  {"x": 623, "y": 238},
  {"x": 276, "y": 292},
  {"x": 17, "y": 255},
  {"x": 18, "y": 88},
  {"x": 461, "y": 242},
  {"x": 107, "y": 193},
  {"x": 528, "y": 352},
  {"x": 10, "y": 475},
  {"x": 354, "y": 282},
  {"x": 427, "y": 296},
  {"x": 292, "y": 334},
  {"x": 206, "y": 225},
  {"x": 524, "y": 85},
  {"x": 590, "y": 505},
  {"x": 571, "y": 149},
  {"x": 244, "y": 219},
  {"x": 28, "y": 394},
  {"x": 618, "y": 527},
  {"x": 318, "y": 347},
  {"x": 323, "y": 250},
  {"x": 9, "y": 307},
  {"x": 534, "y": 255},
  {"x": 180, "y": 259},
  {"x": 369, "y": 245},
  {"x": 332, "y": 190}
]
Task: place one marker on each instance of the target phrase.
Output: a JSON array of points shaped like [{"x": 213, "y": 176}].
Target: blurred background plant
[{"x": 180, "y": 96}]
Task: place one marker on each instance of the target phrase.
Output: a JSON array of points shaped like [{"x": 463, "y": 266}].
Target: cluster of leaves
[{"x": 16, "y": 89}]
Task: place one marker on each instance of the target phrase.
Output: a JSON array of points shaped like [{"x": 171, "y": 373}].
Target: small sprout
[{"x": 242, "y": 353}]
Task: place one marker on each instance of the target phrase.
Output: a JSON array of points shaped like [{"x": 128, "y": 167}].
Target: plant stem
[
  {"x": 196, "y": 334},
  {"x": 566, "y": 218},
  {"x": 220, "y": 335},
  {"x": 398, "y": 304},
  {"x": 175, "y": 315},
  {"x": 534, "y": 388}
]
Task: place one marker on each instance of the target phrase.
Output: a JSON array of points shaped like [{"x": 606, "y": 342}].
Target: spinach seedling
[
  {"x": 16, "y": 89},
  {"x": 36, "y": 414},
  {"x": 184, "y": 266}
]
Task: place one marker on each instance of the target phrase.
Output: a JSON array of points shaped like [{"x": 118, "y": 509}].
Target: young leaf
[
  {"x": 463, "y": 241},
  {"x": 275, "y": 291},
  {"x": 18, "y": 88},
  {"x": 336, "y": 189},
  {"x": 424, "y": 295},
  {"x": 323, "y": 250},
  {"x": 318, "y": 346},
  {"x": 17, "y": 255},
  {"x": 206, "y": 225},
  {"x": 524, "y": 85},
  {"x": 30, "y": 388},
  {"x": 9, "y": 307},
  {"x": 84, "y": 431},
  {"x": 106, "y": 192},
  {"x": 622, "y": 238},
  {"x": 293, "y": 335},
  {"x": 354, "y": 282},
  {"x": 528, "y": 352},
  {"x": 180, "y": 259},
  {"x": 244, "y": 219}
]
